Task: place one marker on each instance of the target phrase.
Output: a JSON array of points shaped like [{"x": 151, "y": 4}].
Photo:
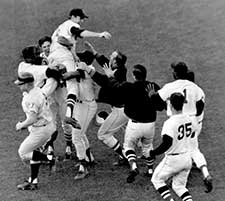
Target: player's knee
[{"x": 25, "y": 157}]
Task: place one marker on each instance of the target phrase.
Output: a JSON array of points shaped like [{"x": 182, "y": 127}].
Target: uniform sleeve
[
  {"x": 164, "y": 92},
  {"x": 101, "y": 59},
  {"x": 167, "y": 129},
  {"x": 76, "y": 32}
]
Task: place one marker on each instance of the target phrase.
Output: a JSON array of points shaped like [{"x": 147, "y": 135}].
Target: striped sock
[
  {"x": 186, "y": 197},
  {"x": 70, "y": 101},
  {"x": 165, "y": 193}
]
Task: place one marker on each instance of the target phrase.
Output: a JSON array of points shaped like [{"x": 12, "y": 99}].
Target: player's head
[
  {"x": 44, "y": 43},
  {"x": 77, "y": 15},
  {"x": 139, "y": 72},
  {"x": 191, "y": 76},
  {"x": 117, "y": 60},
  {"x": 86, "y": 57},
  {"x": 180, "y": 70},
  {"x": 177, "y": 101},
  {"x": 31, "y": 54},
  {"x": 25, "y": 81}
]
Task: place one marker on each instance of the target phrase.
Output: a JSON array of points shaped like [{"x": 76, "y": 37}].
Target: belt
[
  {"x": 42, "y": 125},
  {"x": 175, "y": 154},
  {"x": 81, "y": 101}
]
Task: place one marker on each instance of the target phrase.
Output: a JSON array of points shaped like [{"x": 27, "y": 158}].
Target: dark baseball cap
[
  {"x": 179, "y": 67},
  {"x": 78, "y": 12},
  {"x": 24, "y": 78}
]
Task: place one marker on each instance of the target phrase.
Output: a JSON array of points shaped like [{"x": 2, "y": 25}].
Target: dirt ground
[{"x": 152, "y": 33}]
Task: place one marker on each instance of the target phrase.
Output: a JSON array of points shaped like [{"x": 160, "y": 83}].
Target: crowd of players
[{"x": 59, "y": 81}]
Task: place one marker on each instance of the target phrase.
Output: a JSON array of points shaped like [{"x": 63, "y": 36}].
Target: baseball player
[
  {"x": 141, "y": 112},
  {"x": 176, "y": 134},
  {"x": 63, "y": 50},
  {"x": 32, "y": 64},
  {"x": 39, "y": 122},
  {"x": 193, "y": 106},
  {"x": 85, "y": 108},
  {"x": 44, "y": 44},
  {"x": 117, "y": 118}
]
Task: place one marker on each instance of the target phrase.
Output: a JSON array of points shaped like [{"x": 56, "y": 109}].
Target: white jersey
[
  {"x": 86, "y": 88},
  {"x": 38, "y": 72},
  {"x": 190, "y": 90},
  {"x": 35, "y": 101},
  {"x": 180, "y": 127},
  {"x": 64, "y": 31}
]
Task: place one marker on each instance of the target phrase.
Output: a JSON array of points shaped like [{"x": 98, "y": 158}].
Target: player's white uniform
[
  {"x": 61, "y": 54},
  {"x": 85, "y": 108},
  {"x": 192, "y": 93},
  {"x": 177, "y": 161},
  {"x": 35, "y": 101}
]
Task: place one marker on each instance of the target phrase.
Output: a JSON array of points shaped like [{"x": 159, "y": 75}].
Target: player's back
[
  {"x": 180, "y": 127},
  {"x": 190, "y": 90},
  {"x": 64, "y": 30}
]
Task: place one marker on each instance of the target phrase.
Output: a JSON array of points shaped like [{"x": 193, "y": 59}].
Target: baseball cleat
[
  {"x": 68, "y": 153},
  {"x": 73, "y": 122},
  {"x": 82, "y": 174},
  {"x": 132, "y": 174},
  {"x": 208, "y": 184},
  {"x": 26, "y": 185}
]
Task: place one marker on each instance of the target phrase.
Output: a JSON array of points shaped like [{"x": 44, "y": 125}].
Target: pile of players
[{"x": 61, "y": 81}]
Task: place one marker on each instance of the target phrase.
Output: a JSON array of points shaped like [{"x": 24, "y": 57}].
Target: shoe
[
  {"x": 73, "y": 122},
  {"x": 208, "y": 184},
  {"x": 149, "y": 173},
  {"x": 68, "y": 153},
  {"x": 132, "y": 174},
  {"x": 121, "y": 162},
  {"x": 26, "y": 185},
  {"x": 82, "y": 174}
]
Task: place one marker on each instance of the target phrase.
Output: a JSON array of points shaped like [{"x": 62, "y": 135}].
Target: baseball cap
[
  {"x": 179, "y": 67},
  {"x": 24, "y": 78},
  {"x": 78, "y": 12}
]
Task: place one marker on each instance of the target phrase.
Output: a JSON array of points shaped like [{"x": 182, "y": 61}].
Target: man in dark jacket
[{"x": 116, "y": 119}]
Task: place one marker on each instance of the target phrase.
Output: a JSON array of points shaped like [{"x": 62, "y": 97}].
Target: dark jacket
[
  {"x": 107, "y": 94},
  {"x": 138, "y": 106}
]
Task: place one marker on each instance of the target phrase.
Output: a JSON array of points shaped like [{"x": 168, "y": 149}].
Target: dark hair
[
  {"x": 86, "y": 57},
  {"x": 180, "y": 70},
  {"x": 121, "y": 59},
  {"x": 31, "y": 54},
  {"x": 139, "y": 72},
  {"x": 44, "y": 39},
  {"x": 191, "y": 76},
  {"x": 177, "y": 101}
]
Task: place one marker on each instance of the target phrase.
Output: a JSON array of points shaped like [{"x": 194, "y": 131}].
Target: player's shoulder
[{"x": 69, "y": 23}]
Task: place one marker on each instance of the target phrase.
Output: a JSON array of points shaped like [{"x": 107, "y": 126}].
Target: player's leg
[
  {"x": 160, "y": 175},
  {"x": 88, "y": 112},
  {"x": 60, "y": 96},
  {"x": 147, "y": 145},
  {"x": 115, "y": 120},
  {"x": 179, "y": 180},
  {"x": 27, "y": 152},
  {"x": 132, "y": 134}
]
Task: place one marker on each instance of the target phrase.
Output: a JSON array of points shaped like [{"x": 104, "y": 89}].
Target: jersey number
[
  {"x": 185, "y": 95},
  {"x": 185, "y": 130}
]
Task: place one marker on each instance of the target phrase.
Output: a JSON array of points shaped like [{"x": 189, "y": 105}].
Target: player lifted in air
[{"x": 63, "y": 50}]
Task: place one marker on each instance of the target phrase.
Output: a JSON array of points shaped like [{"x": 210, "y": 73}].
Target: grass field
[{"x": 153, "y": 33}]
